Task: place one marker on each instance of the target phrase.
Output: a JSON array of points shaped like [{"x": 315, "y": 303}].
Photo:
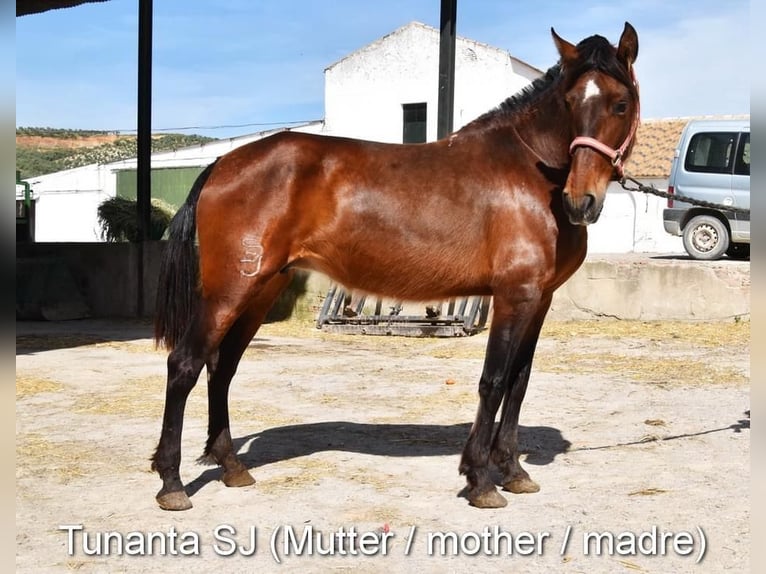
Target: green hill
[{"x": 47, "y": 150}]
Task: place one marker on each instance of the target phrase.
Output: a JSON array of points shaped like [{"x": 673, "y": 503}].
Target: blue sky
[{"x": 253, "y": 63}]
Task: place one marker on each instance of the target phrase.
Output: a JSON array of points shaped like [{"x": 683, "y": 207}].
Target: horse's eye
[{"x": 620, "y": 107}]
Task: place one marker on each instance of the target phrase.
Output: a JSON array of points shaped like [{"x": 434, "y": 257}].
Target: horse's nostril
[{"x": 588, "y": 202}]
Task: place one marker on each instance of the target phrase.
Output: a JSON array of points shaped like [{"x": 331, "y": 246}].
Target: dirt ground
[
  {"x": 74, "y": 142},
  {"x": 638, "y": 433}
]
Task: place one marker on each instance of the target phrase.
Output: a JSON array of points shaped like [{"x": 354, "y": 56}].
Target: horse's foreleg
[
  {"x": 505, "y": 452},
  {"x": 221, "y": 370},
  {"x": 505, "y": 449},
  {"x": 509, "y": 324}
]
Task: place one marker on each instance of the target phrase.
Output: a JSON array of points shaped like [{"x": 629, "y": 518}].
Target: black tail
[{"x": 177, "y": 286}]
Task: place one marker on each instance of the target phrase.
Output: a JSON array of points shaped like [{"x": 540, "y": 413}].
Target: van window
[
  {"x": 742, "y": 165},
  {"x": 711, "y": 152}
]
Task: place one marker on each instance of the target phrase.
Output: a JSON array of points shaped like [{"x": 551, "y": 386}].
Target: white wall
[
  {"x": 68, "y": 217},
  {"x": 632, "y": 222},
  {"x": 364, "y": 92},
  {"x": 484, "y": 78},
  {"x": 66, "y": 203}
]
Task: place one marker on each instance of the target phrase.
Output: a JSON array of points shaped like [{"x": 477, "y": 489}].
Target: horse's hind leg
[
  {"x": 185, "y": 363},
  {"x": 221, "y": 368}
]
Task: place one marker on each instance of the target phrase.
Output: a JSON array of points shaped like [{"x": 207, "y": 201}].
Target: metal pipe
[
  {"x": 27, "y": 189},
  {"x": 144, "y": 142},
  {"x": 446, "y": 104}
]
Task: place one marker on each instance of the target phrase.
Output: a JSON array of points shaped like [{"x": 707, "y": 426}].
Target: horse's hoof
[
  {"x": 524, "y": 485},
  {"x": 490, "y": 499},
  {"x": 174, "y": 501},
  {"x": 238, "y": 478}
]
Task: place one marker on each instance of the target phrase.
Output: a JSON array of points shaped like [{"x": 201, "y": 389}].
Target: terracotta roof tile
[{"x": 656, "y": 141}]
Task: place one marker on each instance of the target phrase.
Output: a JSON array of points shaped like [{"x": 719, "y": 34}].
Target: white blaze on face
[{"x": 591, "y": 90}]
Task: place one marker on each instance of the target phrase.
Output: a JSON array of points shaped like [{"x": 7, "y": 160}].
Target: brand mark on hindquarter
[{"x": 253, "y": 254}]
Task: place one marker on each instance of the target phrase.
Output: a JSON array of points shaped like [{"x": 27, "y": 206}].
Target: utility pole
[
  {"x": 144, "y": 143},
  {"x": 444, "y": 120}
]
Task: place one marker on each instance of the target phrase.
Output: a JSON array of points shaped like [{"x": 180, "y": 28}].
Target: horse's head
[{"x": 601, "y": 95}]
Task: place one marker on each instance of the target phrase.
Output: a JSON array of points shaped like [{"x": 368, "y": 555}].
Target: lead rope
[{"x": 675, "y": 196}]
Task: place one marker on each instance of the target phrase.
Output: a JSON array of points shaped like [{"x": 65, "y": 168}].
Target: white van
[{"x": 711, "y": 163}]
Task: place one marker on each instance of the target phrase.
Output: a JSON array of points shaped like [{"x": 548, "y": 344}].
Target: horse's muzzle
[{"x": 582, "y": 210}]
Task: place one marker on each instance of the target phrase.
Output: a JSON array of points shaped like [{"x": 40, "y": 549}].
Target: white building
[
  {"x": 66, "y": 202},
  {"x": 385, "y": 91},
  {"x": 368, "y": 93}
]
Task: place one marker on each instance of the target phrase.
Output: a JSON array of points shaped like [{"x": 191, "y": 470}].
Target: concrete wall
[
  {"x": 103, "y": 277},
  {"x": 635, "y": 287},
  {"x": 655, "y": 288}
]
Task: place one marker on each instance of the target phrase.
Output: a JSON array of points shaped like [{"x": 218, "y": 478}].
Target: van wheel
[
  {"x": 706, "y": 237},
  {"x": 738, "y": 251}
]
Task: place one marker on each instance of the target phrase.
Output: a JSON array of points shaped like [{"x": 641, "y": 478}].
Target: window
[
  {"x": 414, "y": 122},
  {"x": 711, "y": 152},
  {"x": 742, "y": 165}
]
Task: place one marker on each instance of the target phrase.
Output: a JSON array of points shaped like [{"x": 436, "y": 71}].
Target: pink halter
[{"x": 615, "y": 155}]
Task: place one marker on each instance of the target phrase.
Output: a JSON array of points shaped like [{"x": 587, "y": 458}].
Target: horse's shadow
[{"x": 540, "y": 444}]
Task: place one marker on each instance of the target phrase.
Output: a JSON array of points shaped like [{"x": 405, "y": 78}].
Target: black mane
[{"x": 522, "y": 98}]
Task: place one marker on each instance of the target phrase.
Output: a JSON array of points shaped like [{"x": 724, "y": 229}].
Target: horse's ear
[
  {"x": 567, "y": 51},
  {"x": 627, "y": 49}
]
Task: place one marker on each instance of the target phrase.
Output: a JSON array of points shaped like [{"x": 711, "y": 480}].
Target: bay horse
[{"x": 499, "y": 207}]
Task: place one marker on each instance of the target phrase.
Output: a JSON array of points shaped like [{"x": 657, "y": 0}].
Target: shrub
[{"x": 118, "y": 219}]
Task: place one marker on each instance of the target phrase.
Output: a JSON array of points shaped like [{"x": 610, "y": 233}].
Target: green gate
[{"x": 170, "y": 184}]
